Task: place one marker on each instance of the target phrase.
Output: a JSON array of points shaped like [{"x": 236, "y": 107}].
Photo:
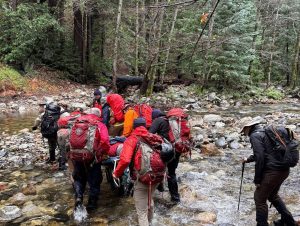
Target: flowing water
[{"x": 209, "y": 184}]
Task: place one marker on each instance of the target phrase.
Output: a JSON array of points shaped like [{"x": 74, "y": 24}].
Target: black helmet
[{"x": 167, "y": 152}]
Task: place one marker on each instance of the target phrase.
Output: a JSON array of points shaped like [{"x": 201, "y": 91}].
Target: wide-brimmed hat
[{"x": 254, "y": 121}]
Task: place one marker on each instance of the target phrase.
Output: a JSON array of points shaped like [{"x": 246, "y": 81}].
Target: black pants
[
  {"x": 172, "y": 180},
  {"x": 84, "y": 173},
  {"x": 52, "y": 143},
  {"x": 268, "y": 190}
]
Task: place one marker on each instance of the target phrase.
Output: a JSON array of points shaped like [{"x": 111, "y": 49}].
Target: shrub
[
  {"x": 274, "y": 94},
  {"x": 10, "y": 79}
]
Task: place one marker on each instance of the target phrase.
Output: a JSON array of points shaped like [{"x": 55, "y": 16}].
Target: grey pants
[
  {"x": 145, "y": 214},
  {"x": 63, "y": 144}
]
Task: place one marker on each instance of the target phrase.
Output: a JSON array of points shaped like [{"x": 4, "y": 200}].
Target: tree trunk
[
  {"x": 295, "y": 69},
  {"x": 78, "y": 29},
  {"x": 155, "y": 50},
  {"x": 136, "y": 63},
  {"x": 272, "y": 48},
  {"x": 169, "y": 44},
  {"x": 115, "y": 60},
  {"x": 209, "y": 35}
]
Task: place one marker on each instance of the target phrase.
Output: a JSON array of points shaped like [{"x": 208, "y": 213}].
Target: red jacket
[
  {"x": 130, "y": 146},
  {"x": 101, "y": 143}
]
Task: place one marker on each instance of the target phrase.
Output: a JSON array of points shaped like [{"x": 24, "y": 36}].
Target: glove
[{"x": 34, "y": 128}]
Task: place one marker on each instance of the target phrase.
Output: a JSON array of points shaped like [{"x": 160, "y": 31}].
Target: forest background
[{"x": 231, "y": 45}]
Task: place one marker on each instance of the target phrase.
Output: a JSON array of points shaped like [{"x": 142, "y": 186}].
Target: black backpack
[
  {"x": 283, "y": 141},
  {"x": 49, "y": 125}
]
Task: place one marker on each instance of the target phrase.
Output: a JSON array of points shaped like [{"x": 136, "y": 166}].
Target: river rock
[
  {"x": 2, "y": 105},
  {"x": 3, "y": 153},
  {"x": 212, "y": 97},
  {"x": 18, "y": 199},
  {"x": 8, "y": 213},
  {"x": 211, "y": 118},
  {"x": 210, "y": 149},
  {"x": 31, "y": 210},
  {"x": 206, "y": 217},
  {"x": 224, "y": 104},
  {"x": 26, "y": 130},
  {"x": 22, "y": 109},
  {"x": 29, "y": 190},
  {"x": 219, "y": 124},
  {"x": 3, "y": 186},
  {"x": 199, "y": 138},
  {"x": 232, "y": 136},
  {"x": 234, "y": 145},
  {"x": 221, "y": 142},
  {"x": 190, "y": 100}
]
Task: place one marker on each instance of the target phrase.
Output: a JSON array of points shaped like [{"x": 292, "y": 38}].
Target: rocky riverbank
[{"x": 32, "y": 193}]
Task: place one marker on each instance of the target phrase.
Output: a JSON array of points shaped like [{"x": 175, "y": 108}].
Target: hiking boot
[
  {"x": 92, "y": 203},
  {"x": 175, "y": 199},
  {"x": 78, "y": 202},
  {"x": 278, "y": 223},
  {"x": 160, "y": 187}
]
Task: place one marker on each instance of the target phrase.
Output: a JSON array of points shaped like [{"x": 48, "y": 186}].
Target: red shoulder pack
[
  {"x": 116, "y": 103},
  {"x": 180, "y": 132},
  {"x": 145, "y": 111},
  {"x": 82, "y": 139},
  {"x": 148, "y": 164}
]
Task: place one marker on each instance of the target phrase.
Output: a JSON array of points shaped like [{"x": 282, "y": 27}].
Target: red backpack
[
  {"x": 148, "y": 164},
  {"x": 116, "y": 103},
  {"x": 82, "y": 139},
  {"x": 67, "y": 122},
  {"x": 180, "y": 132},
  {"x": 145, "y": 111}
]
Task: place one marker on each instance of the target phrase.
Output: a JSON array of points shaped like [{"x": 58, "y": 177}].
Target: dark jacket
[
  {"x": 161, "y": 127},
  {"x": 263, "y": 154},
  {"x": 106, "y": 114}
]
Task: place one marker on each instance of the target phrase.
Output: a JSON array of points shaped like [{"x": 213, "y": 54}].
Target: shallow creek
[{"x": 209, "y": 187}]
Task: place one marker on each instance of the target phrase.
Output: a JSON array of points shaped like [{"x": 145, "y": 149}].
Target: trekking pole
[{"x": 243, "y": 168}]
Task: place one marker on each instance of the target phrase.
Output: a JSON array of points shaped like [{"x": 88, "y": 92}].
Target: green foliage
[
  {"x": 11, "y": 79},
  {"x": 29, "y": 34},
  {"x": 274, "y": 94}
]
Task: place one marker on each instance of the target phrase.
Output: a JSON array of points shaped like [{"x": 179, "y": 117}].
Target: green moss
[{"x": 11, "y": 79}]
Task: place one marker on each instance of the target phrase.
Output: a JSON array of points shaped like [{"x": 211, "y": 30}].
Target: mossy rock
[{"x": 11, "y": 79}]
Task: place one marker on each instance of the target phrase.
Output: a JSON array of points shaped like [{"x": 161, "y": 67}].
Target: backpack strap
[{"x": 278, "y": 137}]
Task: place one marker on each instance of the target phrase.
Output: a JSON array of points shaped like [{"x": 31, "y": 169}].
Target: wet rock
[
  {"x": 195, "y": 175},
  {"x": 221, "y": 142},
  {"x": 199, "y": 138},
  {"x": 3, "y": 153},
  {"x": 3, "y": 105},
  {"x": 3, "y": 186},
  {"x": 211, "y": 118},
  {"x": 29, "y": 190},
  {"x": 18, "y": 199},
  {"x": 234, "y": 145},
  {"x": 212, "y": 97},
  {"x": 8, "y": 213},
  {"x": 210, "y": 149},
  {"x": 219, "y": 124},
  {"x": 22, "y": 109},
  {"x": 26, "y": 130},
  {"x": 31, "y": 210},
  {"x": 206, "y": 217},
  {"x": 232, "y": 136}
]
